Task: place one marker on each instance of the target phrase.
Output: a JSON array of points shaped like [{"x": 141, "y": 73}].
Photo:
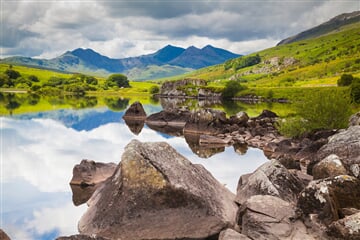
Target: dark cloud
[{"x": 11, "y": 37}]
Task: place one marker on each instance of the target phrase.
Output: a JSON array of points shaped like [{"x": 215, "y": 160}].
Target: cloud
[{"x": 49, "y": 28}]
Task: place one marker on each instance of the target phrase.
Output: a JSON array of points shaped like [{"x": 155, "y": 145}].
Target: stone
[
  {"x": 326, "y": 197},
  {"x": 207, "y": 121},
  {"x": 345, "y": 144},
  {"x": 81, "y": 194},
  {"x": 267, "y": 114},
  {"x": 214, "y": 141},
  {"x": 354, "y": 119},
  {"x": 271, "y": 178},
  {"x": 330, "y": 166},
  {"x": 203, "y": 151},
  {"x": 346, "y": 228},
  {"x": 173, "y": 117},
  {"x": 3, "y": 235},
  {"x": 135, "y": 126},
  {"x": 82, "y": 237},
  {"x": 267, "y": 217},
  {"x": 155, "y": 184},
  {"x": 240, "y": 119},
  {"x": 135, "y": 112},
  {"x": 89, "y": 172},
  {"x": 230, "y": 234}
]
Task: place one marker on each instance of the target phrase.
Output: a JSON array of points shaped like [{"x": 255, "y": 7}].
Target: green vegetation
[
  {"x": 232, "y": 88},
  {"x": 345, "y": 80},
  {"x": 117, "y": 80},
  {"x": 355, "y": 90},
  {"x": 242, "y": 62},
  {"x": 319, "y": 110}
]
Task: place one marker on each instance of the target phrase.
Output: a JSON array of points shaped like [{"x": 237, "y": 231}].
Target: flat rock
[
  {"x": 89, "y": 172},
  {"x": 327, "y": 197},
  {"x": 170, "y": 117},
  {"x": 271, "y": 178},
  {"x": 156, "y": 193}
]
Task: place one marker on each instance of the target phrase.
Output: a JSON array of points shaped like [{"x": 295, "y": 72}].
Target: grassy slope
[{"x": 320, "y": 62}]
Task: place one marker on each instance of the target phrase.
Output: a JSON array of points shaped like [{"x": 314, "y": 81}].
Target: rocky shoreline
[{"x": 309, "y": 189}]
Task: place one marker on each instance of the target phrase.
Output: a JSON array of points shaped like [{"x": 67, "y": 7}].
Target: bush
[
  {"x": 231, "y": 89},
  {"x": 12, "y": 73},
  {"x": 320, "y": 110},
  {"x": 154, "y": 89},
  {"x": 345, "y": 80},
  {"x": 355, "y": 90},
  {"x": 33, "y": 78},
  {"x": 117, "y": 80}
]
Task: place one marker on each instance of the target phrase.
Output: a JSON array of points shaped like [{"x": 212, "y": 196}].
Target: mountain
[
  {"x": 325, "y": 28},
  {"x": 168, "y": 61},
  {"x": 318, "y": 60}
]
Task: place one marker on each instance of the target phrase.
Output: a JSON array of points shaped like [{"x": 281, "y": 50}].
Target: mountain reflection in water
[{"x": 39, "y": 151}]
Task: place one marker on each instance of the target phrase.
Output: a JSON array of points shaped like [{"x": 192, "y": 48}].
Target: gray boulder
[
  {"x": 346, "y": 228},
  {"x": 240, "y": 118},
  {"x": 330, "y": 166},
  {"x": 156, "y": 193},
  {"x": 328, "y": 197},
  {"x": 3, "y": 235},
  {"x": 271, "y": 178},
  {"x": 89, "y": 172},
  {"x": 230, "y": 234},
  {"x": 345, "y": 144},
  {"x": 354, "y": 119},
  {"x": 264, "y": 217}
]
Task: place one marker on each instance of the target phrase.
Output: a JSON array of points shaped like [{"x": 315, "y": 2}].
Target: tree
[
  {"x": 12, "y": 73},
  {"x": 231, "y": 89},
  {"x": 33, "y": 78},
  {"x": 355, "y": 90},
  {"x": 345, "y": 80},
  {"x": 154, "y": 89},
  {"x": 117, "y": 80}
]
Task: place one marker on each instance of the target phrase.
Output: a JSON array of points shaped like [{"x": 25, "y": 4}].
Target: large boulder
[
  {"x": 330, "y": 166},
  {"x": 267, "y": 217},
  {"x": 206, "y": 121},
  {"x": 3, "y": 235},
  {"x": 240, "y": 118},
  {"x": 135, "y": 111},
  {"x": 173, "y": 117},
  {"x": 329, "y": 197},
  {"x": 345, "y": 144},
  {"x": 156, "y": 193},
  {"x": 271, "y": 178},
  {"x": 346, "y": 228},
  {"x": 89, "y": 172},
  {"x": 354, "y": 119}
]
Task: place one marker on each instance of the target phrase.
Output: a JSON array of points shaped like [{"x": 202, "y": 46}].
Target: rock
[
  {"x": 240, "y": 148},
  {"x": 135, "y": 111},
  {"x": 3, "y": 235},
  {"x": 206, "y": 121},
  {"x": 203, "y": 151},
  {"x": 81, "y": 194},
  {"x": 230, "y": 234},
  {"x": 214, "y": 141},
  {"x": 171, "y": 88},
  {"x": 271, "y": 178},
  {"x": 345, "y": 144},
  {"x": 346, "y": 228},
  {"x": 326, "y": 197},
  {"x": 240, "y": 119},
  {"x": 354, "y": 119},
  {"x": 174, "y": 117},
  {"x": 135, "y": 126},
  {"x": 268, "y": 217},
  {"x": 89, "y": 172},
  {"x": 267, "y": 114},
  {"x": 155, "y": 184},
  {"x": 330, "y": 166},
  {"x": 82, "y": 237}
]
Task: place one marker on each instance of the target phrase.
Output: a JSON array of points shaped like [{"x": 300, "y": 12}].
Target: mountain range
[{"x": 168, "y": 61}]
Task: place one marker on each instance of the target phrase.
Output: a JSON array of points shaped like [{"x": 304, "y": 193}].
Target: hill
[
  {"x": 168, "y": 61},
  {"x": 327, "y": 27},
  {"x": 315, "y": 61}
]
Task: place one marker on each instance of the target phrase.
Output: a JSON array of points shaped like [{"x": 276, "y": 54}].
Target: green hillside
[{"x": 309, "y": 63}]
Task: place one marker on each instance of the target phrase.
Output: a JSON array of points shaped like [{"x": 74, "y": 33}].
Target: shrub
[
  {"x": 345, "y": 80},
  {"x": 154, "y": 89},
  {"x": 12, "y": 74},
  {"x": 320, "y": 110},
  {"x": 231, "y": 89},
  {"x": 117, "y": 80},
  {"x": 355, "y": 90}
]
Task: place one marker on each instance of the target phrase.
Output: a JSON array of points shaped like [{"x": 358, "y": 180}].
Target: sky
[{"x": 127, "y": 28}]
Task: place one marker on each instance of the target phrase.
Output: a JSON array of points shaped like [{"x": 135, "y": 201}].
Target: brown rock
[
  {"x": 230, "y": 234},
  {"x": 135, "y": 126},
  {"x": 240, "y": 119},
  {"x": 330, "y": 166},
  {"x": 155, "y": 193},
  {"x": 346, "y": 228},
  {"x": 89, "y": 172},
  {"x": 135, "y": 112},
  {"x": 326, "y": 197},
  {"x": 173, "y": 117},
  {"x": 82, "y": 237},
  {"x": 3, "y": 235}
]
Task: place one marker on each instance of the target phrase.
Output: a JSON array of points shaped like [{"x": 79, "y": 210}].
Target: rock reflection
[
  {"x": 203, "y": 151},
  {"x": 135, "y": 126},
  {"x": 240, "y": 148}
]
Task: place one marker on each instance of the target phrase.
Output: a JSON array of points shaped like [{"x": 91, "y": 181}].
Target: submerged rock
[
  {"x": 156, "y": 193},
  {"x": 89, "y": 172},
  {"x": 271, "y": 178}
]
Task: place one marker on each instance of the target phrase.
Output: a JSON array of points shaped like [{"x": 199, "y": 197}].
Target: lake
[{"x": 43, "y": 138}]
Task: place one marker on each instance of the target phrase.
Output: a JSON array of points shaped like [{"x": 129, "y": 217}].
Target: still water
[{"x": 39, "y": 150}]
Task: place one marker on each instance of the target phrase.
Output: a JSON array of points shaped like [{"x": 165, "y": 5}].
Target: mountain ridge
[{"x": 89, "y": 61}]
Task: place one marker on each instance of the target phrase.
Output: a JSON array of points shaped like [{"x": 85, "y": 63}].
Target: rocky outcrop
[
  {"x": 173, "y": 117},
  {"x": 82, "y": 237},
  {"x": 329, "y": 197},
  {"x": 230, "y": 234},
  {"x": 81, "y": 194},
  {"x": 89, "y": 172},
  {"x": 268, "y": 217},
  {"x": 330, "y": 166},
  {"x": 135, "y": 112},
  {"x": 155, "y": 184},
  {"x": 3, "y": 235},
  {"x": 271, "y": 178},
  {"x": 241, "y": 119},
  {"x": 354, "y": 119},
  {"x": 176, "y": 88}
]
